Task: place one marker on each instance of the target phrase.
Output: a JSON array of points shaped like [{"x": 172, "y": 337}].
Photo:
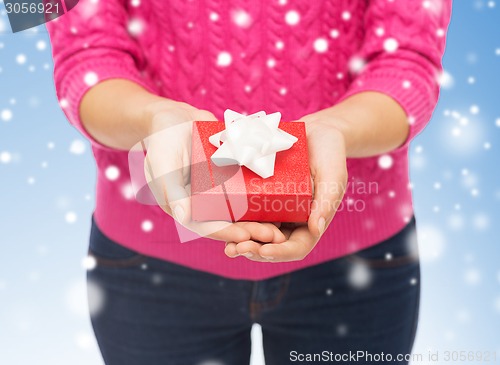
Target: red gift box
[{"x": 234, "y": 193}]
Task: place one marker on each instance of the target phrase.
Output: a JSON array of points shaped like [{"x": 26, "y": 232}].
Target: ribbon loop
[{"x": 251, "y": 141}]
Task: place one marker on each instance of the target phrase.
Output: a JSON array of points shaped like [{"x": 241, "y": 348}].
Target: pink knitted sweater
[{"x": 292, "y": 56}]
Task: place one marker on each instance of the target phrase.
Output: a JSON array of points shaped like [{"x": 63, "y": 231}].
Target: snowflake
[
  {"x": 112, "y": 173},
  {"x": 5, "y": 157},
  {"x": 342, "y": 330},
  {"x": 128, "y": 191},
  {"x": 51, "y": 145},
  {"x": 472, "y": 276},
  {"x": 280, "y": 45},
  {"x": 471, "y": 80},
  {"x": 21, "y": 59},
  {"x": 283, "y": 91},
  {"x": 135, "y": 3},
  {"x": 359, "y": 276},
  {"x": 292, "y": 17},
  {"x": 41, "y": 45},
  {"x": 481, "y": 221},
  {"x": 6, "y": 115},
  {"x": 406, "y": 84},
  {"x": 135, "y": 27},
  {"x": 271, "y": 62},
  {"x": 334, "y": 33},
  {"x": 487, "y": 145},
  {"x": 147, "y": 226},
  {"x": 497, "y": 122},
  {"x": 31, "y": 180},
  {"x": 391, "y": 45},
  {"x": 346, "y": 15},
  {"x": 379, "y": 31},
  {"x": 445, "y": 80},
  {"x": 431, "y": 242},
  {"x": 320, "y": 45},
  {"x": 224, "y": 59},
  {"x": 64, "y": 103},
  {"x": 89, "y": 263},
  {"x": 77, "y": 147},
  {"x": 474, "y": 109},
  {"x": 70, "y": 217},
  {"x": 90, "y": 78},
  {"x": 85, "y": 341},
  {"x": 455, "y": 222},
  {"x": 356, "y": 65},
  {"x": 214, "y": 16},
  {"x": 241, "y": 18},
  {"x": 385, "y": 162}
]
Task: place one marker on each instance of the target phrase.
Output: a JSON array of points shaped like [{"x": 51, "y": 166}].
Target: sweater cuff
[
  {"x": 83, "y": 77},
  {"x": 415, "y": 96}
]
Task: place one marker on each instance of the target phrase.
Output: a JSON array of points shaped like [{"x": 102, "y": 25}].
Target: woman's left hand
[{"x": 327, "y": 160}]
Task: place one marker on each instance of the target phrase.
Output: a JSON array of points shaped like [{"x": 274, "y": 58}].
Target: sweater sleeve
[
  {"x": 91, "y": 44},
  {"x": 401, "y": 55}
]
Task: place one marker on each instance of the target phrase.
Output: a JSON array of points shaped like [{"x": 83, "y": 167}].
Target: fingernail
[
  {"x": 247, "y": 254},
  {"x": 268, "y": 257},
  {"x": 179, "y": 213},
  {"x": 321, "y": 225}
]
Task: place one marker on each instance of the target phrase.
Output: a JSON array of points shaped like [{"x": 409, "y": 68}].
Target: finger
[
  {"x": 329, "y": 187},
  {"x": 298, "y": 245},
  {"x": 263, "y": 232},
  {"x": 250, "y": 250},
  {"x": 230, "y": 250}
]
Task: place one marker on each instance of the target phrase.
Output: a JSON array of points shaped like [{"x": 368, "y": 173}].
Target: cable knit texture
[{"x": 335, "y": 49}]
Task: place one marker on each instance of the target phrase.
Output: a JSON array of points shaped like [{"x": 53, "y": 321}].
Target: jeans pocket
[
  {"x": 109, "y": 253},
  {"x": 398, "y": 250}
]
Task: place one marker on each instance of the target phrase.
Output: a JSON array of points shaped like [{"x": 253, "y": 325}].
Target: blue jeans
[{"x": 347, "y": 310}]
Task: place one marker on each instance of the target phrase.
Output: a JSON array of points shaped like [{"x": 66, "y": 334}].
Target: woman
[{"x": 361, "y": 74}]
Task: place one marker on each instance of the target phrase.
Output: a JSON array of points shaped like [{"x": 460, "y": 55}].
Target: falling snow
[
  {"x": 135, "y": 27},
  {"x": 90, "y": 78},
  {"x": 5, "y": 157},
  {"x": 292, "y": 17},
  {"x": 112, "y": 173},
  {"x": 6, "y": 115},
  {"x": 147, "y": 226},
  {"x": 359, "y": 276},
  {"x": 70, "y": 217},
  {"x": 77, "y": 147},
  {"x": 241, "y": 18},
  {"x": 224, "y": 59},
  {"x": 391, "y": 45},
  {"x": 21, "y": 59},
  {"x": 385, "y": 162},
  {"x": 320, "y": 45}
]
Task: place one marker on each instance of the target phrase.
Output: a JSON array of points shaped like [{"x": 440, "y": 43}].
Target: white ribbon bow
[{"x": 251, "y": 141}]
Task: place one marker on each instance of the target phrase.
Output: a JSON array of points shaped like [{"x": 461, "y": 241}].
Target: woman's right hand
[{"x": 167, "y": 169}]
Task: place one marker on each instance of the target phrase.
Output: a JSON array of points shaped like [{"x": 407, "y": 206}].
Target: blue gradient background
[{"x": 455, "y": 171}]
